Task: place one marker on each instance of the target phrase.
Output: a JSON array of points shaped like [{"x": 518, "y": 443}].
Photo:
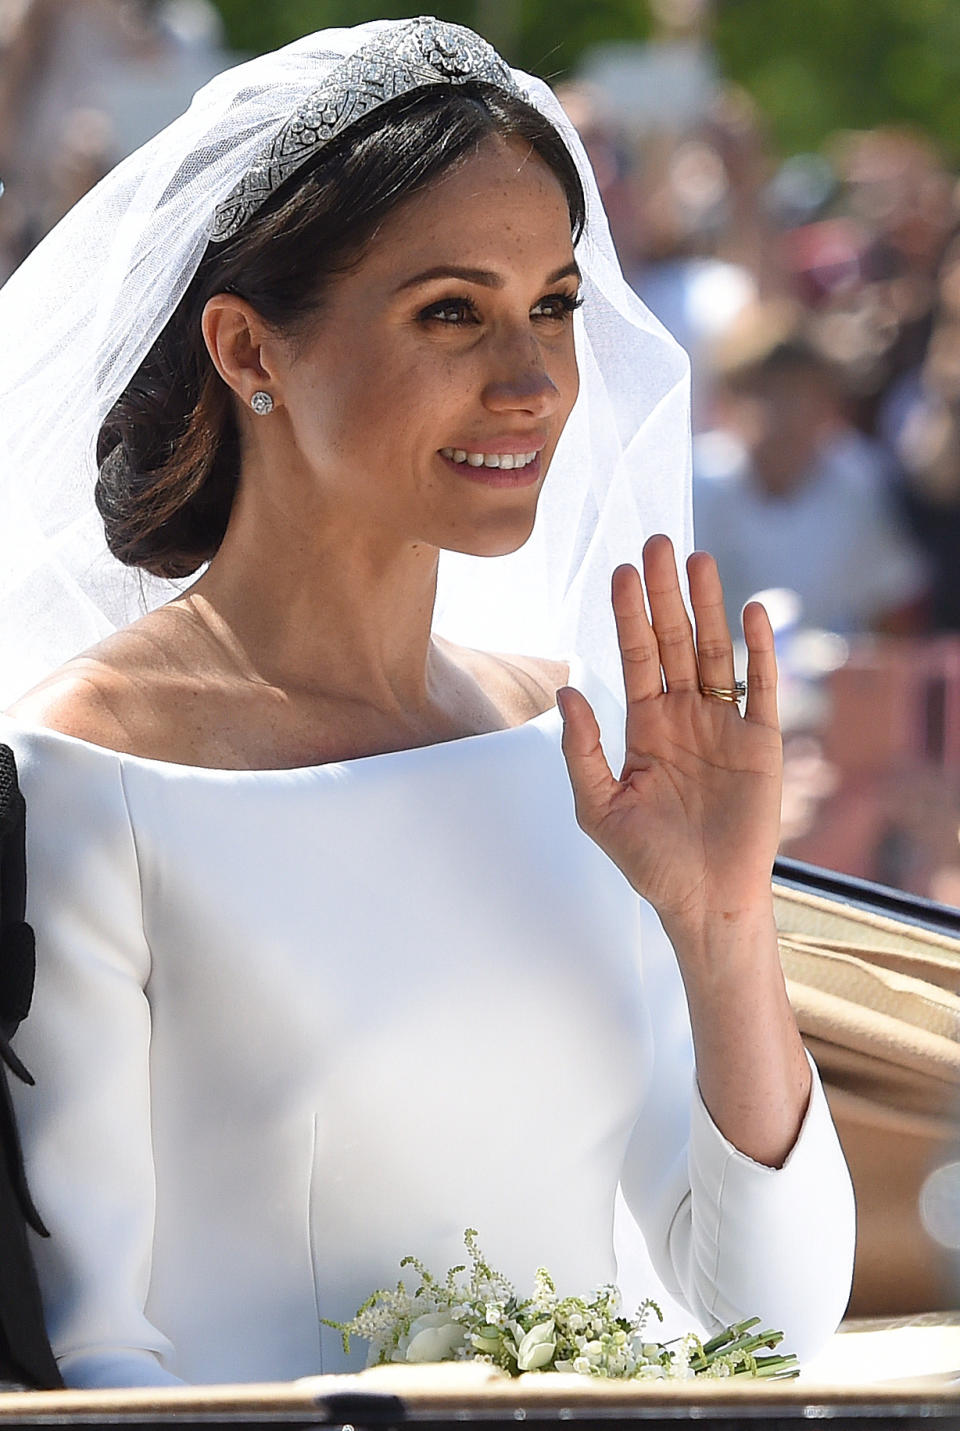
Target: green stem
[
  {"x": 777, "y": 1366},
  {"x": 741, "y": 1344},
  {"x": 736, "y": 1329}
]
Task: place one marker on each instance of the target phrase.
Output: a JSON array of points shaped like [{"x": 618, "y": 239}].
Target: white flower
[
  {"x": 545, "y": 1296},
  {"x": 433, "y": 1337},
  {"x": 470, "y": 1319},
  {"x": 484, "y": 1342},
  {"x": 537, "y": 1347},
  {"x": 651, "y": 1371}
]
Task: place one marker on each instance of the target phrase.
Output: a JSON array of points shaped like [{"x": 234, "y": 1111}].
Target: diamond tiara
[{"x": 417, "y": 54}]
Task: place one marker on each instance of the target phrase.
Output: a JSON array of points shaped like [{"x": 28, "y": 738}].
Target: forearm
[
  {"x": 751, "y": 1068},
  {"x": 732, "y": 1237}
]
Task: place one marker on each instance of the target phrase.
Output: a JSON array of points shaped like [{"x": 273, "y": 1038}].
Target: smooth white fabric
[{"x": 292, "y": 1025}]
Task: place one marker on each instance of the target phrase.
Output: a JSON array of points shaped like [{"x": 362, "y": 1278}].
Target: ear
[{"x": 241, "y": 346}]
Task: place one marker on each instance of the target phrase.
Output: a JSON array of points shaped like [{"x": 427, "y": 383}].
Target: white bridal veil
[{"x": 79, "y": 315}]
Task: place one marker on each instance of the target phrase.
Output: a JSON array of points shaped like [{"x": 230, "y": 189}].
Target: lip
[
  {"x": 495, "y": 476},
  {"x": 505, "y": 441}
]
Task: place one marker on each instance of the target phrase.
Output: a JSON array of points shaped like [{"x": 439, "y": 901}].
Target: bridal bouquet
[{"x": 474, "y": 1314}]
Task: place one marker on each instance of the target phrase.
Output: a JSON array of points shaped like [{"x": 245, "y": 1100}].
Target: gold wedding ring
[{"x": 732, "y": 693}]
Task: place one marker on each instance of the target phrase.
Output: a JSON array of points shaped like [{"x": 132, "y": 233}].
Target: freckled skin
[
  {"x": 362, "y": 441},
  {"x": 308, "y": 637}
]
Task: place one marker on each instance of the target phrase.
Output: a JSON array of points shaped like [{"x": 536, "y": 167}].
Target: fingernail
[{"x": 561, "y": 697}]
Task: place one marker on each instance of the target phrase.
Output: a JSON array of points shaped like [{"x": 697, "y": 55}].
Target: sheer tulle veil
[{"x": 80, "y": 313}]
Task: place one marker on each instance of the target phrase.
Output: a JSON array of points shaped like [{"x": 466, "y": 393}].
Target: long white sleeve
[
  {"x": 86, "y": 1125},
  {"x": 730, "y": 1237}
]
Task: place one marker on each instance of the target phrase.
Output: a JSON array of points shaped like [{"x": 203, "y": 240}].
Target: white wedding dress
[{"x": 291, "y": 1025}]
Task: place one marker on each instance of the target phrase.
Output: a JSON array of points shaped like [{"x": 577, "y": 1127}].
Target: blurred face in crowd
[
  {"x": 782, "y": 416},
  {"x": 899, "y": 189}
]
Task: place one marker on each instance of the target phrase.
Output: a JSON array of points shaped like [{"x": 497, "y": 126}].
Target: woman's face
[{"x": 426, "y": 399}]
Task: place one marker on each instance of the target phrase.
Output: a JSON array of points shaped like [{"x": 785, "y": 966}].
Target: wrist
[{"x": 699, "y": 932}]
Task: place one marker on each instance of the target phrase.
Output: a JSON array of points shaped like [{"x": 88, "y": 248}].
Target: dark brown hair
[{"x": 169, "y": 449}]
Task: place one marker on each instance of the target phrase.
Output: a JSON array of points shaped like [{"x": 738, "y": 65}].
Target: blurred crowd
[
  {"x": 819, "y": 299},
  {"x": 82, "y": 84}
]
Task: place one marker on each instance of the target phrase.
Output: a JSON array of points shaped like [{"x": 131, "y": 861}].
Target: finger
[
  {"x": 590, "y": 775},
  {"x": 761, "y": 666},
  {"x": 671, "y": 624},
  {"x": 639, "y": 652},
  {"x": 714, "y": 646}
]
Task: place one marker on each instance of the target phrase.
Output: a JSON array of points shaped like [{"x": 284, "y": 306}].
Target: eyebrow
[{"x": 485, "y": 277}]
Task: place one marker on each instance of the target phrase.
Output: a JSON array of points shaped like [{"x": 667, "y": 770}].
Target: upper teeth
[{"x": 488, "y": 459}]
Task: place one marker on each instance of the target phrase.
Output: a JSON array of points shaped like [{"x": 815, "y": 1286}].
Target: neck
[{"x": 309, "y": 604}]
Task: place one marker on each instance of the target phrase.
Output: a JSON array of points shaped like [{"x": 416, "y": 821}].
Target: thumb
[{"x": 590, "y": 775}]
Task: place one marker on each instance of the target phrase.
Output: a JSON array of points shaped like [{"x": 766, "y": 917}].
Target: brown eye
[
  {"x": 450, "y": 310},
  {"x": 557, "y": 306}
]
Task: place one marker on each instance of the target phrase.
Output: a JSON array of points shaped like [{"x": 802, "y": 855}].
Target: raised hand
[{"x": 693, "y": 819}]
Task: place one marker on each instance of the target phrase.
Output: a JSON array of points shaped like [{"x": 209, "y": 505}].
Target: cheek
[
  {"x": 573, "y": 387},
  {"x": 399, "y": 381},
  {"x": 388, "y": 412},
  {"x": 566, "y": 378},
  {"x": 350, "y": 401}
]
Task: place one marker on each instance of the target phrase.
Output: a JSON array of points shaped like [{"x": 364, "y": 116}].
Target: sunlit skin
[
  {"x": 345, "y": 497},
  {"x": 455, "y": 331},
  {"x": 309, "y": 637},
  {"x": 692, "y": 820}
]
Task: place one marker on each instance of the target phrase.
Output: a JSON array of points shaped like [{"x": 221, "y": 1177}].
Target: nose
[{"x": 520, "y": 381}]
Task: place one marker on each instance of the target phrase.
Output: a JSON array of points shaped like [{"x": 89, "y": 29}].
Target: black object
[
  {"x": 25, "y": 1355},
  {"x": 379, "y": 1411},
  {"x": 856, "y": 893}
]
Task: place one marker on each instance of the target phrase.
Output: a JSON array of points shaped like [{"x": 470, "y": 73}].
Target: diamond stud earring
[{"x": 262, "y": 403}]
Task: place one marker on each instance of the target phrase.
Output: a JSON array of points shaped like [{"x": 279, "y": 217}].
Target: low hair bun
[{"x": 168, "y": 468}]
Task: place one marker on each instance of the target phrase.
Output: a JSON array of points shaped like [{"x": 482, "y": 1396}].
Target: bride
[{"x": 331, "y": 962}]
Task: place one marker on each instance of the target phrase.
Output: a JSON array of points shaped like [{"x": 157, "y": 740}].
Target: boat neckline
[{"x": 152, "y": 762}]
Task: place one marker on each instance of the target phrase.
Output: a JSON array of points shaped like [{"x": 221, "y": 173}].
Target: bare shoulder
[
  {"x": 521, "y": 687},
  {"x": 82, "y": 699},
  {"x": 535, "y": 677},
  {"x": 102, "y": 696}
]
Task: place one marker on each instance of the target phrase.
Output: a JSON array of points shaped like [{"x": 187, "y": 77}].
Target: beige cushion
[{"x": 878, "y": 1003}]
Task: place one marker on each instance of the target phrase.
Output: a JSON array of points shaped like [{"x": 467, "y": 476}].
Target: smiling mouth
[{"x": 506, "y": 461}]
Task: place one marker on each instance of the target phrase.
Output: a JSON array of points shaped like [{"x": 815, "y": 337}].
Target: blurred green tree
[
  {"x": 824, "y": 65},
  {"x": 544, "y": 36},
  {"x": 813, "y": 67}
]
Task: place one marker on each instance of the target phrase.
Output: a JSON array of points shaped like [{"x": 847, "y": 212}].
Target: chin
[{"x": 493, "y": 539}]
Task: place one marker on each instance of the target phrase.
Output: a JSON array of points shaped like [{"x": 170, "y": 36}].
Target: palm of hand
[{"x": 693, "y": 819}]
